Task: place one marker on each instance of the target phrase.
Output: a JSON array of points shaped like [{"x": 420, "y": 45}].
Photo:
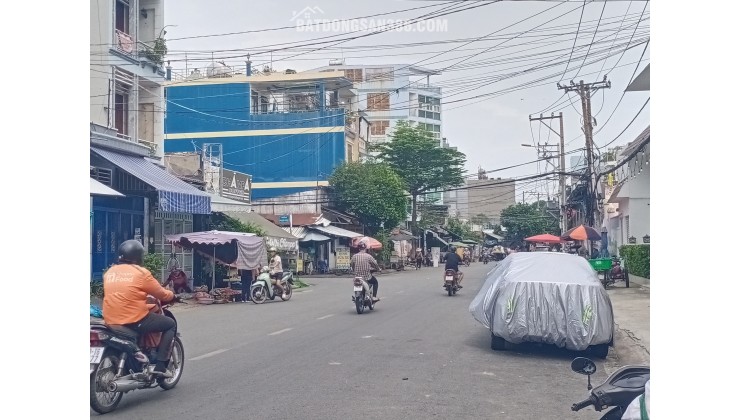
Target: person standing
[{"x": 247, "y": 277}]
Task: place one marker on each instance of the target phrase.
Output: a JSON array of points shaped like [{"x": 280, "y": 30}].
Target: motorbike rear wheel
[
  {"x": 288, "y": 292},
  {"x": 360, "y": 303},
  {"x": 258, "y": 294},
  {"x": 103, "y": 402},
  {"x": 449, "y": 290},
  {"x": 176, "y": 365}
]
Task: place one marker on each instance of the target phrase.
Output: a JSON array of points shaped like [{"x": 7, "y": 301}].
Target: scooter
[
  {"x": 617, "y": 391},
  {"x": 363, "y": 296},
  {"x": 261, "y": 290},
  {"x": 451, "y": 282},
  {"x": 617, "y": 273}
]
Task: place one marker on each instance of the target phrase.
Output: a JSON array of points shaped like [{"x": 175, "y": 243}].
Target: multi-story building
[
  {"x": 138, "y": 199},
  {"x": 126, "y": 69},
  {"x": 394, "y": 92},
  {"x": 288, "y": 131}
]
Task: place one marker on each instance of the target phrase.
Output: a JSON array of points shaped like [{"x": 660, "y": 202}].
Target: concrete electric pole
[
  {"x": 561, "y": 153},
  {"x": 585, "y": 91}
]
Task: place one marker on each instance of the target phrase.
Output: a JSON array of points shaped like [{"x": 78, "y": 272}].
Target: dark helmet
[
  {"x": 362, "y": 246},
  {"x": 131, "y": 252}
]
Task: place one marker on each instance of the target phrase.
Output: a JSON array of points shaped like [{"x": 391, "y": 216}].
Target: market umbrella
[
  {"x": 371, "y": 243},
  {"x": 582, "y": 233},
  {"x": 545, "y": 238}
]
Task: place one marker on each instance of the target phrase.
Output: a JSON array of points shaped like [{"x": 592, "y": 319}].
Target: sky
[{"x": 491, "y": 129}]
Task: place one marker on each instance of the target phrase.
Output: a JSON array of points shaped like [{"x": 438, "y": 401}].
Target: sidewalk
[{"x": 632, "y": 316}]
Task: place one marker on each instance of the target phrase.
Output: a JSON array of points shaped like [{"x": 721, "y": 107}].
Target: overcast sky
[{"x": 489, "y": 130}]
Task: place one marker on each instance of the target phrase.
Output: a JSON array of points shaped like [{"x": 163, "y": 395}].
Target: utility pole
[
  {"x": 561, "y": 152},
  {"x": 585, "y": 91}
]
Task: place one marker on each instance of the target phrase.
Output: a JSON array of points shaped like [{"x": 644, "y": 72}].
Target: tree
[
  {"x": 461, "y": 229},
  {"x": 371, "y": 191},
  {"x": 525, "y": 220},
  {"x": 220, "y": 221},
  {"x": 422, "y": 165}
]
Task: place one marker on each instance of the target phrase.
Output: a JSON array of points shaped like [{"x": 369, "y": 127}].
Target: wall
[
  {"x": 286, "y": 153},
  {"x": 489, "y": 200},
  {"x": 101, "y": 37}
]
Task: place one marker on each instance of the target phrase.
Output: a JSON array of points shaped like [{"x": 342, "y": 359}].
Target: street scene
[{"x": 433, "y": 209}]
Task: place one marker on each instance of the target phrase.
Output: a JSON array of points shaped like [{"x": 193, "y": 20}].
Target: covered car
[{"x": 545, "y": 297}]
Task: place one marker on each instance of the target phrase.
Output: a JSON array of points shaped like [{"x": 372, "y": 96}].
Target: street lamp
[
  {"x": 163, "y": 32},
  {"x": 646, "y": 239}
]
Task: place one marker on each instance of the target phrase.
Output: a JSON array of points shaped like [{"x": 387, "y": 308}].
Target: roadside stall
[{"x": 235, "y": 250}]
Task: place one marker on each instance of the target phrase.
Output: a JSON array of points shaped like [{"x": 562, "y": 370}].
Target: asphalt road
[{"x": 418, "y": 355}]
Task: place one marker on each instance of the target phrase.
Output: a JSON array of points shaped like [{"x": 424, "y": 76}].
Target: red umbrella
[
  {"x": 545, "y": 238},
  {"x": 371, "y": 243},
  {"x": 582, "y": 233}
]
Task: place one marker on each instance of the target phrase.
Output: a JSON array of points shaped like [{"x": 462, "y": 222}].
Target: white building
[
  {"x": 629, "y": 222},
  {"x": 126, "y": 73},
  {"x": 393, "y": 92}
]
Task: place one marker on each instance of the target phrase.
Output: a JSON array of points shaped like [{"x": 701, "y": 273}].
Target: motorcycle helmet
[
  {"x": 131, "y": 252},
  {"x": 362, "y": 245},
  {"x": 272, "y": 249}
]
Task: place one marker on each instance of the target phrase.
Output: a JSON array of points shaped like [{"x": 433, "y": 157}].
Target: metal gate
[{"x": 171, "y": 224}]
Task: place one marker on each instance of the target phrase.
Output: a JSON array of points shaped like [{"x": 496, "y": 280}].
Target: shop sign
[{"x": 343, "y": 258}]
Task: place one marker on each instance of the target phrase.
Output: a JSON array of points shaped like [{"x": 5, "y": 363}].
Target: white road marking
[
  {"x": 325, "y": 316},
  {"x": 281, "y": 331},
  {"x": 367, "y": 336},
  {"x": 334, "y": 363},
  {"x": 207, "y": 355},
  {"x": 488, "y": 374}
]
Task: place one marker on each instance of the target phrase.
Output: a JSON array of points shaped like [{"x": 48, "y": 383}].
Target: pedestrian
[{"x": 247, "y": 277}]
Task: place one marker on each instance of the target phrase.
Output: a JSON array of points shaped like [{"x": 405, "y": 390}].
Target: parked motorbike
[
  {"x": 121, "y": 361},
  {"x": 262, "y": 288},
  {"x": 618, "y": 391},
  {"x": 363, "y": 296},
  {"x": 616, "y": 273},
  {"x": 451, "y": 285}
]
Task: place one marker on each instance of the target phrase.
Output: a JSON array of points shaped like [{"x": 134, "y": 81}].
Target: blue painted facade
[{"x": 307, "y": 156}]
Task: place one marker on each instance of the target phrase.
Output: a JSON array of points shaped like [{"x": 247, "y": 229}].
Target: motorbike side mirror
[{"x": 584, "y": 366}]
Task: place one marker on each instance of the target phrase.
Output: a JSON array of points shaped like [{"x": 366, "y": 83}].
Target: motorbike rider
[
  {"x": 639, "y": 409},
  {"x": 276, "y": 271},
  {"x": 362, "y": 263},
  {"x": 452, "y": 262},
  {"x": 125, "y": 289}
]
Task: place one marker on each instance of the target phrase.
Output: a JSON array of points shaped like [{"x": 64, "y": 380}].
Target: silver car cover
[{"x": 546, "y": 297}]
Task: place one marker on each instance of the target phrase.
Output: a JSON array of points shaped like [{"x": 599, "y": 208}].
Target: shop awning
[
  {"x": 98, "y": 188},
  {"x": 315, "y": 236},
  {"x": 274, "y": 235},
  {"x": 174, "y": 194},
  {"x": 336, "y": 231},
  {"x": 221, "y": 204}
]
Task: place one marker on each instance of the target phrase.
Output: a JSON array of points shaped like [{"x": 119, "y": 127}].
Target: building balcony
[
  {"x": 425, "y": 86},
  {"x": 128, "y": 51}
]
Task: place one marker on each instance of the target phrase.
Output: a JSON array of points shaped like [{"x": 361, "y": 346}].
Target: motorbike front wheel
[
  {"x": 258, "y": 294},
  {"x": 101, "y": 400},
  {"x": 177, "y": 363}
]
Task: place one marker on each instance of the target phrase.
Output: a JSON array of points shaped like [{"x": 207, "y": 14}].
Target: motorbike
[
  {"x": 617, "y": 391},
  {"x": 467, "y": 261},
  {"x": 121, "y": 360},
  {"x": 616, "y": 273},
  {"x": 485, "y": 259},
  {"x": 451, "y": 282},
  {"x": 262, "y": 288},
  {"x": 363, "y": 296}
]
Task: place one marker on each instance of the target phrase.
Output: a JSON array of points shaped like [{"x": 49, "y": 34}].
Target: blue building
[{"x": 289, "y": 131}]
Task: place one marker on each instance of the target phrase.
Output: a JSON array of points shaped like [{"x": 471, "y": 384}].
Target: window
[
  {"x": 378, "y": 102},
  {"x": 355, "y": 75},
  {"x": 122, "y": 16},
  {"x": 378, "y": 74},
  {"x": 429, "y": 107},
  {"x": 123, "y": 83},
  {"x": 377, "y": 128}
]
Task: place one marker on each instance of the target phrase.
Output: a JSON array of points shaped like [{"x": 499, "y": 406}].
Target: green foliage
[
  {"x": 96, "y": 289},
  {"x": 525, "y": 220},
  {"x": 384, "y": 255},
  {"x": 371, "y": 191},
  {"x": 636, "y": 259},
  {"x": 154, "y": 263},
  {"x": 422, "y": 165},
  {"x": 157, "y": 53},
  {"x": 462, "y": 229},
  {"x": 220, "y": 221}
]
